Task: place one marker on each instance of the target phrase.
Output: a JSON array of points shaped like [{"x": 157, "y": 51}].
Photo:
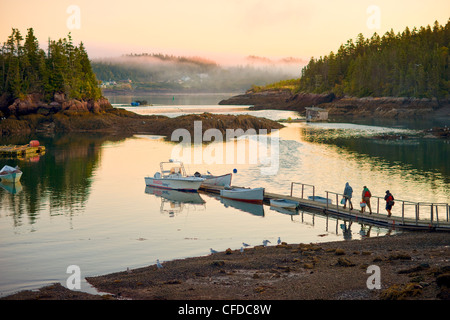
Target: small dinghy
[
  {"x": 9, "y": 174},
  {"x": 283, "y": 203},
  {"x": 255, "y": 195},
  {"x": 320, "y": 199}
]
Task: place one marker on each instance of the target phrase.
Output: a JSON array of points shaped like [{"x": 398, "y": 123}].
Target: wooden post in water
[
  {"x": 337, "y": 202},
  {"x": 431, "y": 214},
  {"x": 437, "y": 215},
  {"x": 403, "y": 211}
]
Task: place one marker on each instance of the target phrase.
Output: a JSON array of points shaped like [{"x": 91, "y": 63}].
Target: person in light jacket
[{"x": 348, "y": 191}]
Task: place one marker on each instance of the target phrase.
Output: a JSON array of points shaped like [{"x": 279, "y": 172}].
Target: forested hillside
[
  {"x": 414, "y": 63},
  {"x": 65, "y": 68}
]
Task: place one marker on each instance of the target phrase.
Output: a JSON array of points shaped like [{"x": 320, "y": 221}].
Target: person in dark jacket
[
  {"x": 348, "y": 191},
  {"x": 389, "y": 202}
]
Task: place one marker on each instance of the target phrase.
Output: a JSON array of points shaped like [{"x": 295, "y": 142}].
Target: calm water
[{"x": 85, "y": 202}]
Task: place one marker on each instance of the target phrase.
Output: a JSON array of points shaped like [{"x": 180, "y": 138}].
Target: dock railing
[
  {"x": 434, "y": 210},
  {"x": 303, "y": 188},
  {"x": 409, "y": 209}
]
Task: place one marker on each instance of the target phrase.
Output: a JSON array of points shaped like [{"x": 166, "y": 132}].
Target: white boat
[
  {"x": 10, "y": 174},
  {"x": 283, "y": 203},
  {"x": 212, "y": 180},
  {"x": 255, "y": 195},
  {"x": 174, "y": 178}
]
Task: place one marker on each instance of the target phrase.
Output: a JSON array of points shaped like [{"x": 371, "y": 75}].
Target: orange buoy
[{"x": 34, "y": 143}]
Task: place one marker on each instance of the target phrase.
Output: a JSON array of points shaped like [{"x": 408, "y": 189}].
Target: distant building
[{"x": 316, "y": 114}]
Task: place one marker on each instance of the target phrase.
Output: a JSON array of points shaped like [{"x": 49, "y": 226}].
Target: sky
[{"x": 221, "y": 30}]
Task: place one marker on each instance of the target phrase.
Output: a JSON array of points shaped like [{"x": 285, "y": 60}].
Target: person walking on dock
[
  {"x": 366, "y": 194},
  {"x": 389, "y": 202},
  {"x": 348, "y": 191}
]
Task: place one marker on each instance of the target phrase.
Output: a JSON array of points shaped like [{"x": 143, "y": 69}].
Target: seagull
[
  {"x": 265, "y": 242},
  {"x": 279, "y": 240},
  {"x": 245, "y": 244},
  {"x": 158, "y": 264},
  {"x": 212, "y": 250}
]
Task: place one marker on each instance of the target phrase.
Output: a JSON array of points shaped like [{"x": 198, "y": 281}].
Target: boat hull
[
  {"x": 283, "y": 203},
  {"x": 224, "y": 180},
  {"x": 11, "y": 177},
  {"x": 191, "y": 184},
  {"x": 247, "y": 195}
]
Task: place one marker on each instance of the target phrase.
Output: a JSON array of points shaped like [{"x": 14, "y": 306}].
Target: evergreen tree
[
  {"x": 25, "y": 68},
  {"x": 413, "y": 63}
]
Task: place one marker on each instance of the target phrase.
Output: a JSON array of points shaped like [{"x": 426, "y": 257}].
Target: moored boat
[
  {"x": 10, "y": 174},
  {"x": 283, "y": 203},
  {"x": 175, "y": 178},
  {"x": 255, "y": 195},
  {"x": 320, "y": 199},
  {"x": 212, "y": 180}
]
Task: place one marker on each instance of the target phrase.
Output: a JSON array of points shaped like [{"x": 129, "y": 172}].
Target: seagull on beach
[
  {"x": 245, "y": 244},
  {"x": 212, "y": 250},
  {"x": 265, "y": 242},
  {"x": 158, "y": 264}
]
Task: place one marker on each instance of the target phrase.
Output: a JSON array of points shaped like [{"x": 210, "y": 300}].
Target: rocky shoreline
[
  {"x": 31, "y": 115},
  {"x": 413, "y": 266},
  {"x": 384, "y": 107}
]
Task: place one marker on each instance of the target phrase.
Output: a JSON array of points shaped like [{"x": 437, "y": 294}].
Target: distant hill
[{"x": 159, "y": 72}]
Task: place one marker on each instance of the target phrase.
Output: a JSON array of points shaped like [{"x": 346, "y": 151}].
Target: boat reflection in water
[
  {"x": 252, "y": 208},
  {"x": 12, "y": 187},
  {"x": 173, "y": 201}
]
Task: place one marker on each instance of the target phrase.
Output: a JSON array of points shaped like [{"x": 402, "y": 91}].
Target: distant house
[{"x": 316, "y": 114}]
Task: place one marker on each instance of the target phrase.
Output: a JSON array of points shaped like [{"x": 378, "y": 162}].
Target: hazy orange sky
[{"x": 219, "y": 30}]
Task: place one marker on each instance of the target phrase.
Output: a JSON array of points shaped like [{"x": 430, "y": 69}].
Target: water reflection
[
  {"x": 174, "y": 202},
  {"x": 405, "y": 150},
  {"x": 58, "y": 182},
  {"x": 252, "y": 208},
  {"x": 12, "y": 188}
]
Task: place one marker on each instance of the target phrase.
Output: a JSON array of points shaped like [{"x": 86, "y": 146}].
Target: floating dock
[
  {"x": 435, "y": 216},
  {"x": 24, "y": 151}
]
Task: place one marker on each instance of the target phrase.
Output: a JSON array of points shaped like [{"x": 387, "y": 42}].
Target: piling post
[
  {"x": 437, "y": 214},
  {"x": 431, "y": 213},
  {"x": 337, "y": 202},
  {"x": 403, "y": 212}
]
